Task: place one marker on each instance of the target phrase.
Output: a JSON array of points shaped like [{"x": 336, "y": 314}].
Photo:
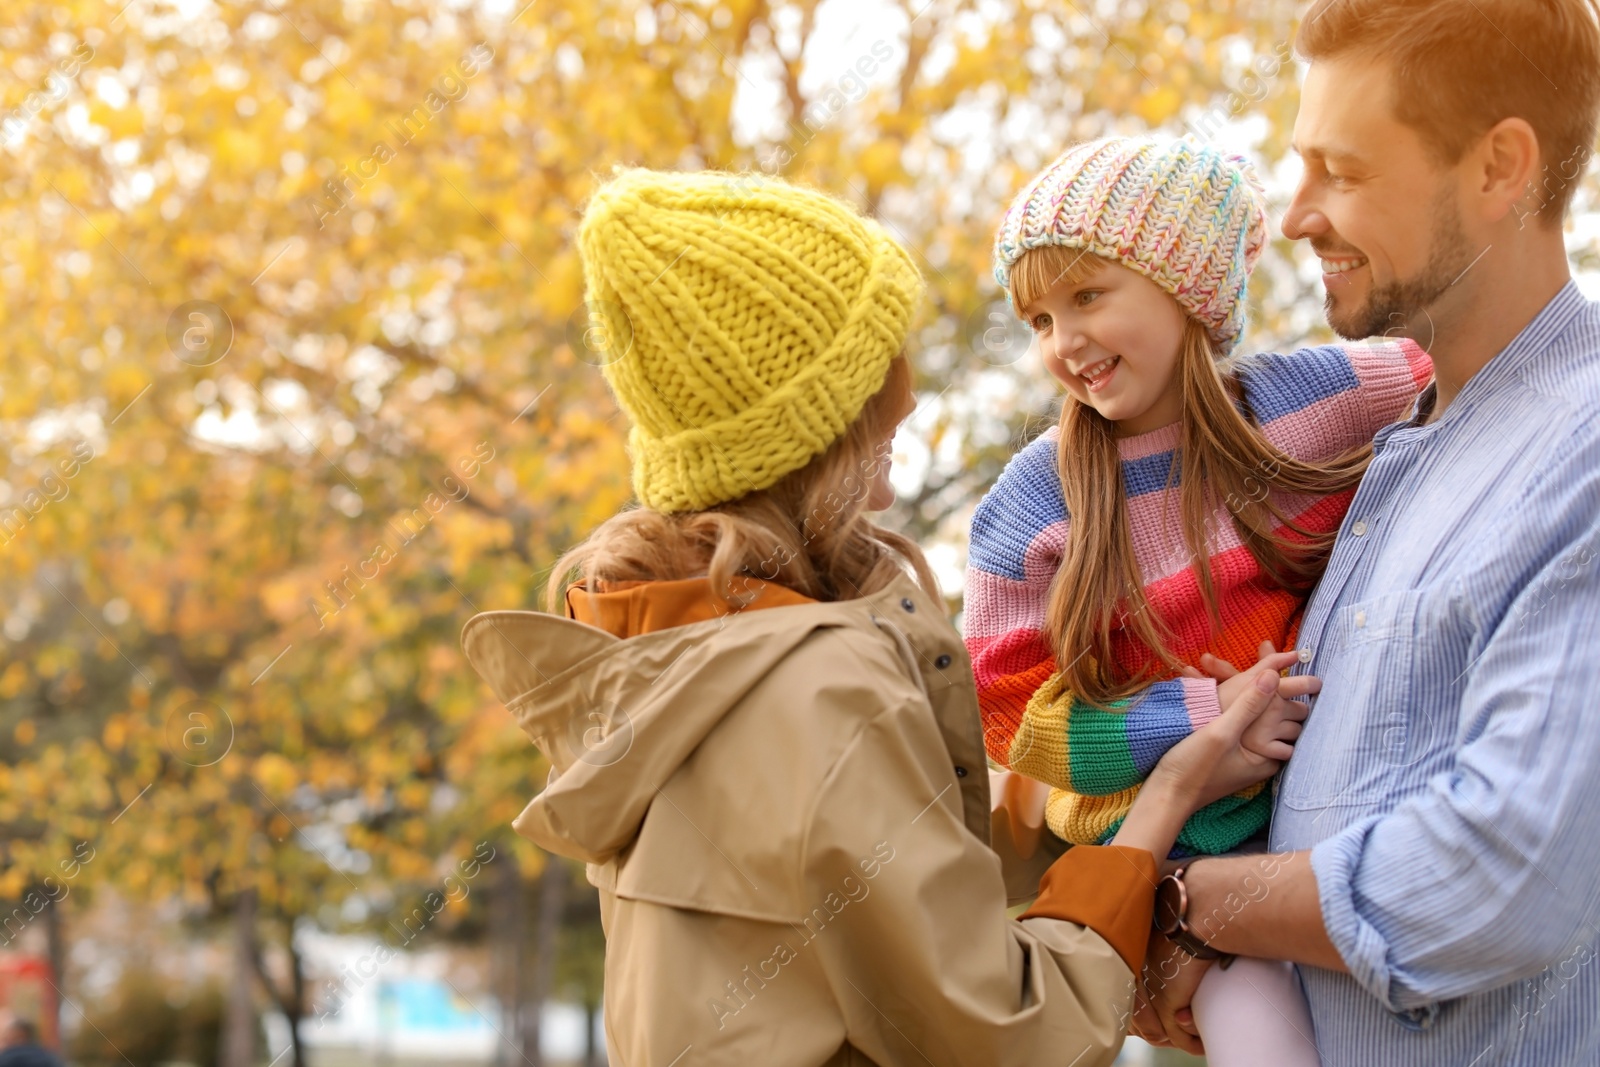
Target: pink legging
[{"x": 1253, "y": 1014}]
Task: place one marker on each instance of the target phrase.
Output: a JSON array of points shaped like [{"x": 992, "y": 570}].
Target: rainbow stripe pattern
[{"x": 1312, "y": 404}]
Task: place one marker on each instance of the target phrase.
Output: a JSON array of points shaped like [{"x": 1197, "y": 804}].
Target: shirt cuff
[
  {"x": 1110, "y": 889},
  {"x": 1335, "y": 863}
]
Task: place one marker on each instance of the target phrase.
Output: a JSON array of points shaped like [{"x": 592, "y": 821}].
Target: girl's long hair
[
  {"x": 809, "y": 532},
  {"x": 1222, "y": 456}
]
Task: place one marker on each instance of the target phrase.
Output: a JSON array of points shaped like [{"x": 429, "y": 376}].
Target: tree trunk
[
  {"x": 297, "y": 996},
  {"x": 591, "y": 1047},
  {"x": 293, "y": 1003},
  {"x": 509, "y": 954},
  {"x": 239, "y": 1031},
  {"x": 552, "y": 904},
  {"x": 56, "y": 952}
]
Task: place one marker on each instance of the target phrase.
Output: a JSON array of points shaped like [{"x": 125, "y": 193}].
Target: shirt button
[
  {"x": 1361, "y": 619},
  {"x": 942, "y": 662},
  {"x": 1421, "y": 1018},
  {"x": 1359, "y": 528},
  {"x": 1305, "y": 655}
]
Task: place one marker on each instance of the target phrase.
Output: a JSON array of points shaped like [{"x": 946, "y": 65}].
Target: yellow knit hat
[{"x": 752, "y": 320}]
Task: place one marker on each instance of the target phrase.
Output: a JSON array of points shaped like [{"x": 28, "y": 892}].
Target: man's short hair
[{"x": 1461, "y": 66}]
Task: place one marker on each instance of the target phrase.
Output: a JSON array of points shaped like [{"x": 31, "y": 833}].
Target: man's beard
[{"x": 1392, "y": 308}]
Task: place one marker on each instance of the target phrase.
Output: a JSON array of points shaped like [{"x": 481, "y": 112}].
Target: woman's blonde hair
[
  {"x": 1222, "y": 456},
  {"x": 809, "y": 532}
]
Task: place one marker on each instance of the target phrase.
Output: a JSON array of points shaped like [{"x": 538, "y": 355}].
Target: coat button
[
  {"x": 961, "y": 772},
  {"x": 908, "y": 604},
  {"x": 942, "y": 662}
]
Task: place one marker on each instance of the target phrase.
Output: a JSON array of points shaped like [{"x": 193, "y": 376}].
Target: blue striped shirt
[{"x": 1448, "y": 781}]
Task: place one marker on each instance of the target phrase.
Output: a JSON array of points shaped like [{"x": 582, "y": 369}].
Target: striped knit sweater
[{"x": 1313, "y": 405}]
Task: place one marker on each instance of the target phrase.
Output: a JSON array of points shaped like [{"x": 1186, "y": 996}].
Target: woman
[{"x": 764, "y": 733}]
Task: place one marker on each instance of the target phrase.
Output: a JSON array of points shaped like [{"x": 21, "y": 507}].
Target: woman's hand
[
  {"x": 1272, "y": 735},
  {"x": 1214, "y": 761}
]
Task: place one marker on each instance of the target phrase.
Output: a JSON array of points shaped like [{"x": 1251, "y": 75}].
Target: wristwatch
[{"x": 1172, "y": 917}]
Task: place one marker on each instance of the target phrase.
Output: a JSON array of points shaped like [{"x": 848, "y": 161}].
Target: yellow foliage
[
  {"x": 276, "y": 775},
  {"x": 1159, "y": 104},
  {"x": 278, "y": 342},
  {"x": 12, "y": 680}
]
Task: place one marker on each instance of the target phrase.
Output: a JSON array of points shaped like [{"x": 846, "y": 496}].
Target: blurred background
[{"x": 296, "y": 377}]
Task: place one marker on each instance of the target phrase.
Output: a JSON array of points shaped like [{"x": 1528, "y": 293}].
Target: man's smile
[{"x": 1342, "y": 265}]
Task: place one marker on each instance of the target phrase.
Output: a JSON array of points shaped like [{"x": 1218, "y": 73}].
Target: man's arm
[
  {"x": 1492, "y": 872},
  {"x": 1264, "y": 906}
]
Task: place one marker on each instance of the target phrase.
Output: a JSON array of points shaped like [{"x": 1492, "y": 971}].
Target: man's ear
[{"x": 1505, "y": 172}]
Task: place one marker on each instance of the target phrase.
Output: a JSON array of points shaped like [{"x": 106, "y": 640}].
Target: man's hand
[
  {"x": 1161, "y": 1014},
  {"x": 1272, "y": 736}
]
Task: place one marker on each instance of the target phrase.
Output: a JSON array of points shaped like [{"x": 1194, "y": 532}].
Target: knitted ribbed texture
[
  {"x": 1187, "y": 216},
  {"x": 755, "y": 319},
  {"x": 1313, "y": 405},
  {"x": 1216, "y": 828},
  {"x": 1098, "y": 753}
]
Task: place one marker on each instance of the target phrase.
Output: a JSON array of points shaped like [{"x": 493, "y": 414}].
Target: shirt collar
[
  {"x": 1534, "y": 340},
  {"x": 1420, "y": 409}
]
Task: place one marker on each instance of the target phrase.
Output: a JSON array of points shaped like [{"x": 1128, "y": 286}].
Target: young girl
[{"x": 1205, "y": 493}]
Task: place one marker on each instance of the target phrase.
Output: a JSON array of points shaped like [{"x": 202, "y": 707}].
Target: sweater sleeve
[
  {"x": 1029, "y": 719},
  {"x": 1073, "y": 746},
  {"x": 1315, "y": 403},
  {"x": 1019, "y": 532}
]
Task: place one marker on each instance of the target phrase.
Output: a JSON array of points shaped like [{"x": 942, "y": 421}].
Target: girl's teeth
[{"x": 1099, "y": 368}]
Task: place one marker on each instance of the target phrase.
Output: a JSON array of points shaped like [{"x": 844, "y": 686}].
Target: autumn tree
[{"x": 298, "y": 377}]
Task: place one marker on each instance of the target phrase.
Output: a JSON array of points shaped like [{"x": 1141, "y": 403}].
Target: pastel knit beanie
[
  {"x": 755, "y": 319},
  {"x": 1187, "y": 216}
]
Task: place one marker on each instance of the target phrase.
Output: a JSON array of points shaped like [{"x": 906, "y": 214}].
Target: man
[
  {"x": 1437, "y": 867},
  {"x": 19, "y": 1044}
]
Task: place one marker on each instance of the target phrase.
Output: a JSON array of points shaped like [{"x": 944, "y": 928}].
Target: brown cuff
[{"x": 1108, "y": 888}]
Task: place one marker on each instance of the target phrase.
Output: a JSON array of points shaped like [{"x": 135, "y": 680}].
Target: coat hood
[{"x": 617, "y": 717}]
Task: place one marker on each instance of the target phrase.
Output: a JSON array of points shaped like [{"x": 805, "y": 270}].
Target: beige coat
[{"x": 786, "y": 812}]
